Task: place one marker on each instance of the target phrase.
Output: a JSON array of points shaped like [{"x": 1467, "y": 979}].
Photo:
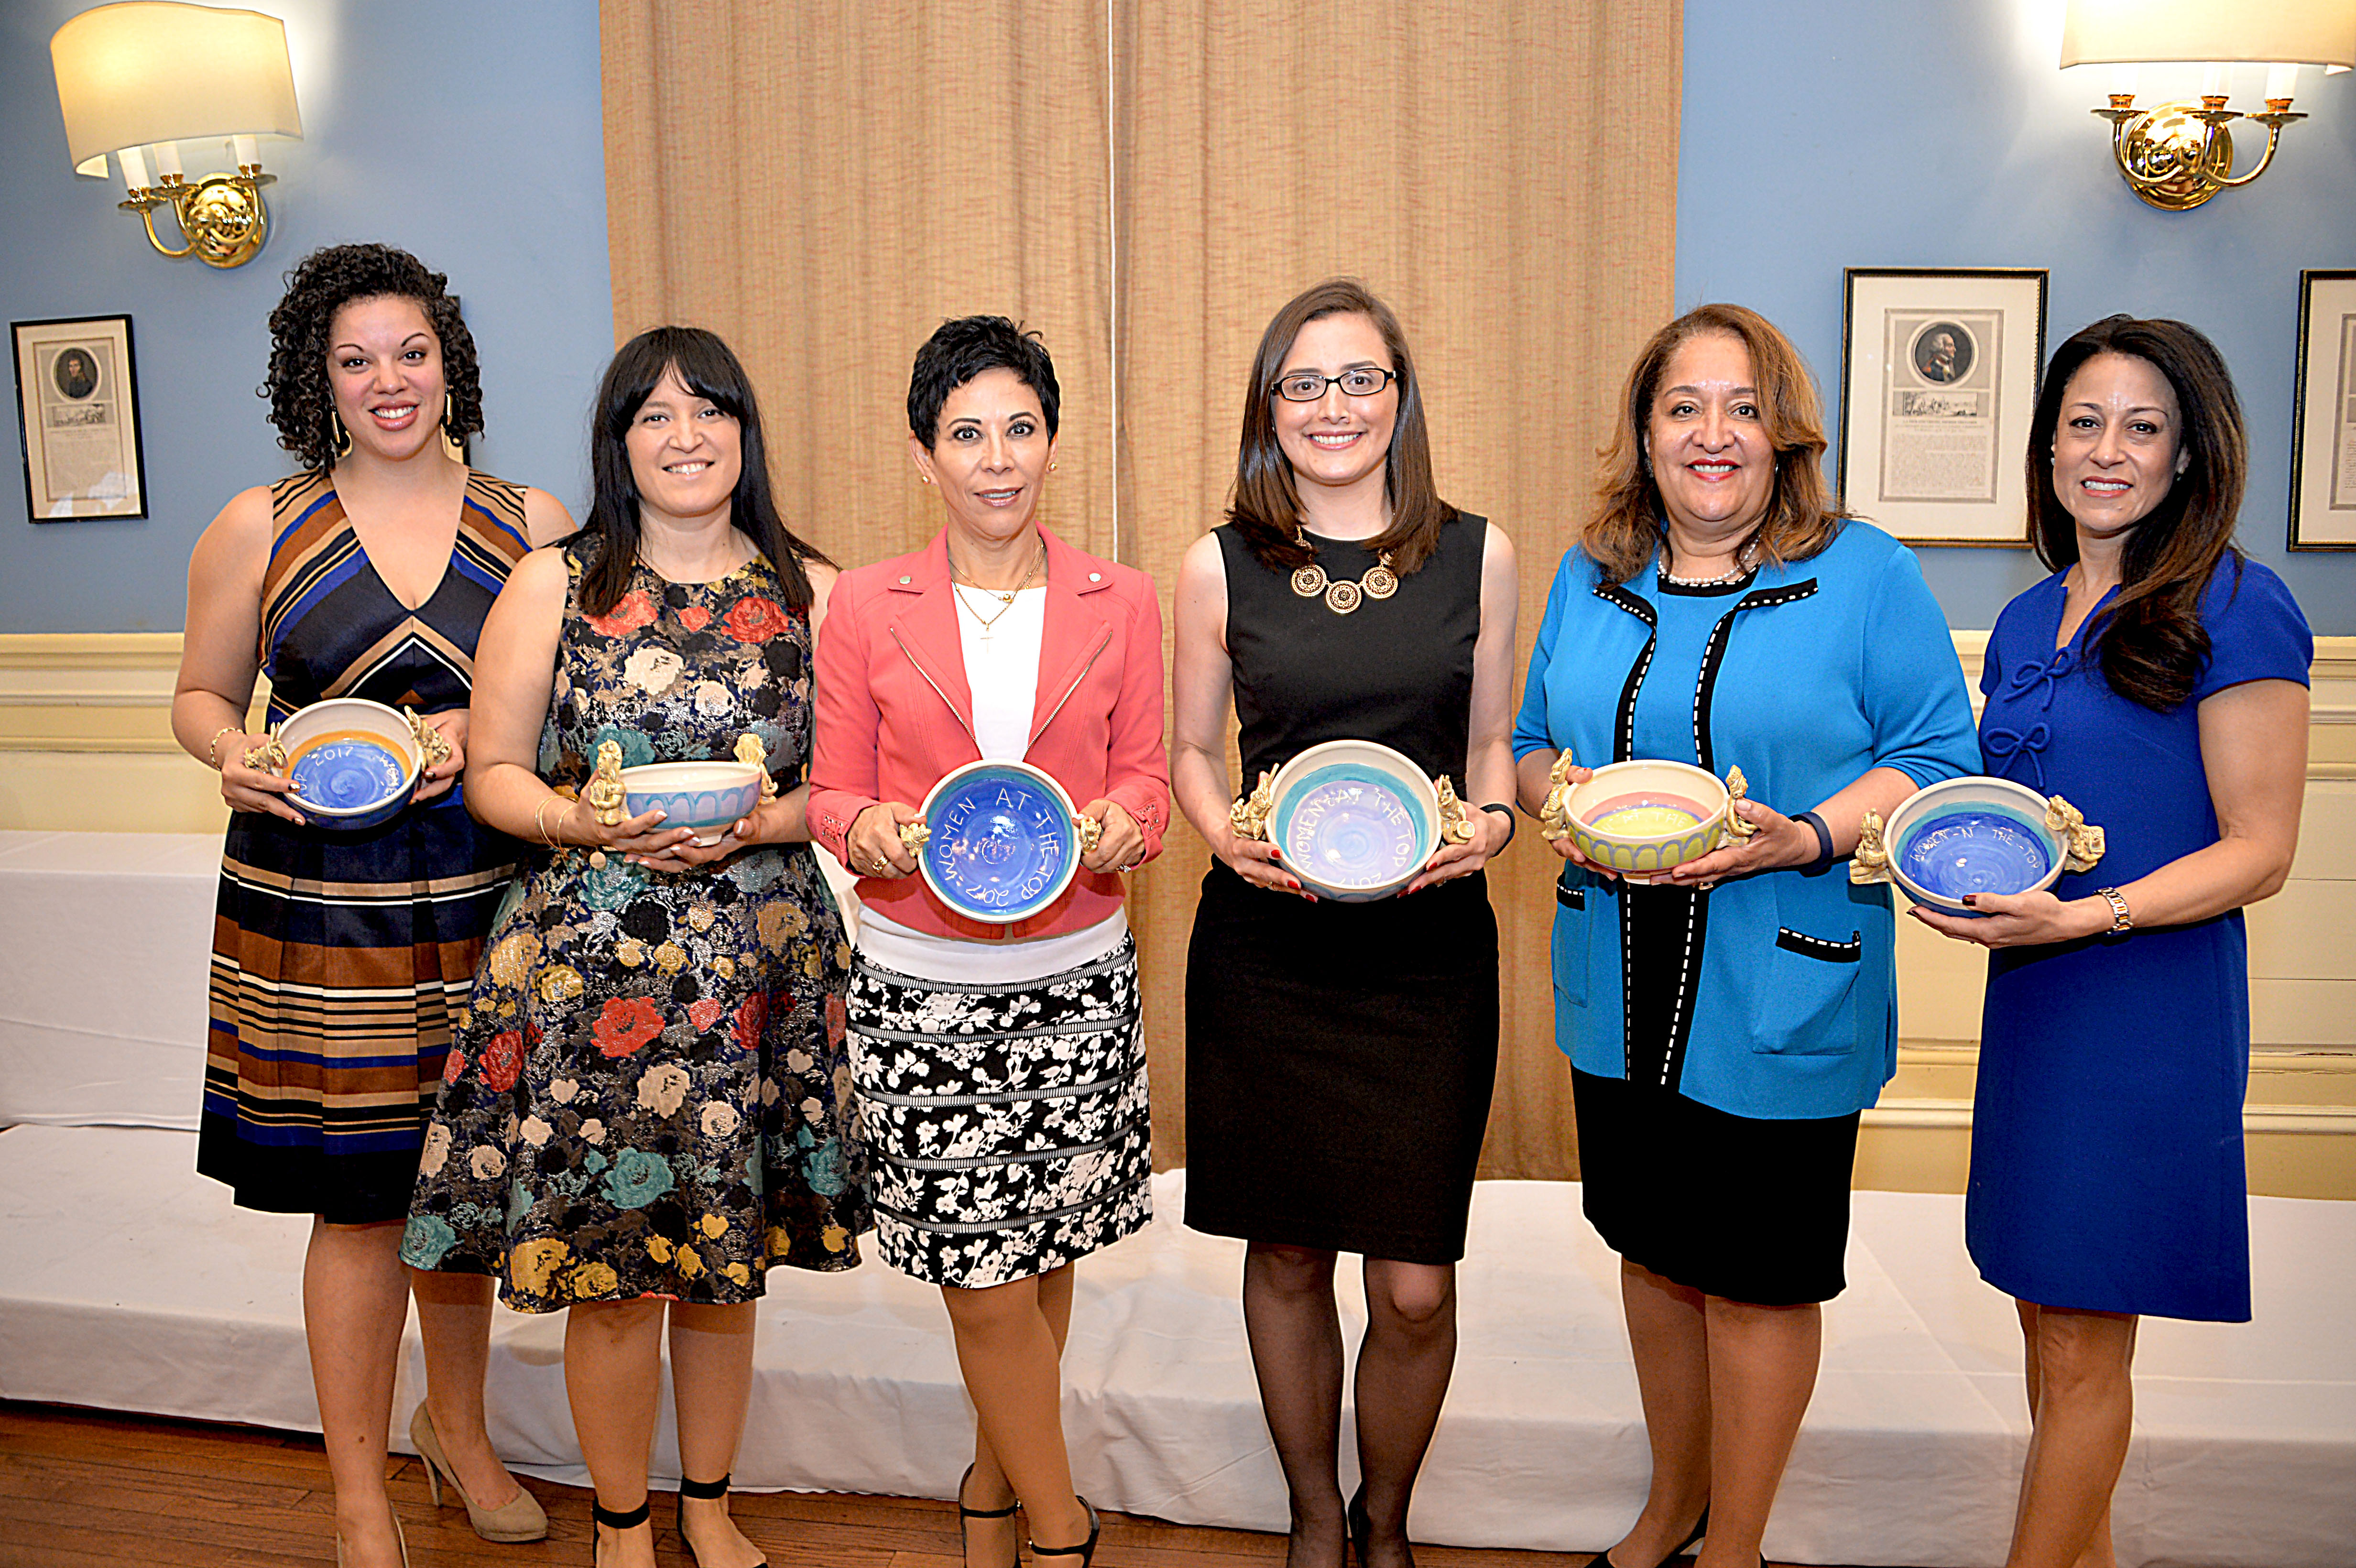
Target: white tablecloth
[{"x": 104, "y": 943}]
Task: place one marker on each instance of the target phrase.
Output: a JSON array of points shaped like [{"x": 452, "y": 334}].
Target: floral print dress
[{"x": 648, "y": 1094}]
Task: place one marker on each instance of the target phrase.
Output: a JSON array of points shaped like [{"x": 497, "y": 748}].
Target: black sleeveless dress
[{"x": 1339, "y": 1056}]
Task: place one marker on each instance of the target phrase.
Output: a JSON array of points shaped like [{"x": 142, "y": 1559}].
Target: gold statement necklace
[
  {"x": 1342, "y": 595},
  {"x": 1005, "y": 596}
]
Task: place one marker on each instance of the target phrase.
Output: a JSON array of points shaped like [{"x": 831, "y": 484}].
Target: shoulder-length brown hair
[
  {"x": 1624, "y": 533},
  {"x": 2150, "y": 638},
  {"x": 1266, "y": 508}
]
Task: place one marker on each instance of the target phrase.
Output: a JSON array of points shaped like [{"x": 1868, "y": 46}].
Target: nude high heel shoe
[{"x": 520, "y": 1519}]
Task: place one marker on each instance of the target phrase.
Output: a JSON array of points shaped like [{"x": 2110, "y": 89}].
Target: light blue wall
[
  {"x": 1833, "y": 133},
  {"x": 467, "y": 133},
  {"x": 1863, "y": 133}
]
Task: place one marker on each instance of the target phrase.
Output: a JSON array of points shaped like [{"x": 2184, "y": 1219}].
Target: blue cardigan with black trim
[{"x": 1824, "y": 670}]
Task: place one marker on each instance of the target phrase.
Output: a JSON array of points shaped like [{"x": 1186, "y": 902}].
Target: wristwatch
[{"x": 2120, "y": 918}]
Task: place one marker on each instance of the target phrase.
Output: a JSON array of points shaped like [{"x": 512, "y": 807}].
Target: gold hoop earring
[{"x": 342, "y": 437}]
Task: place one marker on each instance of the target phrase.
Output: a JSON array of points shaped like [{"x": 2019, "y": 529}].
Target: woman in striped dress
[
  {"x": 998, "y": 1070},
  {"x": 339, "y": 957}
]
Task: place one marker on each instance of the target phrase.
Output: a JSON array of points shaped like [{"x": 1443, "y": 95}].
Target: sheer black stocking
[
  {"x": 1403, "y": 1371},
  {"x": 1404, "y": 1366},
  {"x": 1296, "y": 1346}
]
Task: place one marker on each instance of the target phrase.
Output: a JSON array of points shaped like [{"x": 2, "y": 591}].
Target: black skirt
[
  {"x": 1340, "y": 1058},
  {"x": 1738, "y": 1207}
]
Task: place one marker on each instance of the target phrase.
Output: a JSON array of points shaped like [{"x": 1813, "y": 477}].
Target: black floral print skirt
[{"x": 1008, "y": 1128}]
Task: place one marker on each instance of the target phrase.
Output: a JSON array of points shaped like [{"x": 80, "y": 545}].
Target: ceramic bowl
[
  {"x": 710, "y": 798},
  {"x": 1006, "y": 842},
  {"x": 1353, "y": 821},
  {"x": 1974, "y": 834},
  {"x": 1642, "y": 818},
  {"x": 354, "y": 763}
]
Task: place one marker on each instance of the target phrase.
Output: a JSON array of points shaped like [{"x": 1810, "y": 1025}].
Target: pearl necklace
[{"x": 1342, "y": 595}]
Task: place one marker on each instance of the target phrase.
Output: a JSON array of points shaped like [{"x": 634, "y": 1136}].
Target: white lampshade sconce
[
  {"x": 137, "y": 80},
  {"x": 2179, "y": 155}
]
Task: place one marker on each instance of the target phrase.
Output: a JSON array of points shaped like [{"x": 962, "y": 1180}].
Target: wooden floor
[{"x": 80, "y": 1489}]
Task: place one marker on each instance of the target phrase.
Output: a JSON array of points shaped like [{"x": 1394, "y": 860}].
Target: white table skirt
[{"x": 105, "y": 940}]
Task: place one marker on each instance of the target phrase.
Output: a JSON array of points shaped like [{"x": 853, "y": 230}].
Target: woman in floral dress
[{"x": 648, "y": 1100}]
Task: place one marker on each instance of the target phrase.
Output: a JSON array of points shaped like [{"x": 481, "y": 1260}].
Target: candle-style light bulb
[
  {"x": 167, "y": 160},
  {"x": 134, "y": 169},
  {"x": 2282, "y": 81}
]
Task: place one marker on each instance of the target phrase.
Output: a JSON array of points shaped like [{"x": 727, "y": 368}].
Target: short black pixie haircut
[
  {"x": 322, "y": 283},
  {"x": 966, "y": 347}
]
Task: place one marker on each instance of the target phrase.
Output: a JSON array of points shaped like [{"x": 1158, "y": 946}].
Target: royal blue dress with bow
[{"x": 2106, "y": 1129}]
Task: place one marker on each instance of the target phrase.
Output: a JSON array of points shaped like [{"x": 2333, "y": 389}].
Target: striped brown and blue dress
[{"x": 340, "y": 958}]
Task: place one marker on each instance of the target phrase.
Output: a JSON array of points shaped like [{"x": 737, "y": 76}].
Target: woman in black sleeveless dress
[{"x": 1339, "y": 1056}]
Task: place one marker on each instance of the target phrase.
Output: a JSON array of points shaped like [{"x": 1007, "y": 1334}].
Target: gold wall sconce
[
  {"x": 2179, "y": 155},
  {"x": 135, "y": 79}
]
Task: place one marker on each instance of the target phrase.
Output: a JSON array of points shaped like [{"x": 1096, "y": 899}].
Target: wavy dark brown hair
[
  {"x": 710, "y": 369},
  {"x": 1625, "y": 531},
  {"x": 2150, "y": 638},
  {"x": 1266, "y": 506},
  {"x": 324, "y": 282}
]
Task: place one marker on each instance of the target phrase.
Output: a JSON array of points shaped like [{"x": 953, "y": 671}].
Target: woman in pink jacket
[{"x": 999, "y": 1070}]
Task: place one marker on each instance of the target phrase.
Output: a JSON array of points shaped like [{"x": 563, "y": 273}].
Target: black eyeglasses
[{"x": 1360, "y": 381}]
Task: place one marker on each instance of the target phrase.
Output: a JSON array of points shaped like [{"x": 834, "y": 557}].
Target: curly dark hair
[{"x": 322, "y": 283}]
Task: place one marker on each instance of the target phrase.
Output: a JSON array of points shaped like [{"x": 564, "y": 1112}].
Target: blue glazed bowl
[
  {"x": 1353, "y": 821},
  {"x": 355, "y": 763},
  {"x": 1004, "y": 842},
  {"x": 710, "y": 798},
  {"x": 1972, "y": 835}
]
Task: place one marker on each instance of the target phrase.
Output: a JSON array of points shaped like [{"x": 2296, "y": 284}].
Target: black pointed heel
[
  {"x": 1086, "y": 1550},
  {"x": 1700, "y": 1529},
  {"x": 1361, "y": 1528}
]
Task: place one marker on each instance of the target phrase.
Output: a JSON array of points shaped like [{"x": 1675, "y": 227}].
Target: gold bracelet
[
  {"x": 539, "y": 827},
  {"x": 212, "y": 747},
  {"x": 559, "y": 820}
]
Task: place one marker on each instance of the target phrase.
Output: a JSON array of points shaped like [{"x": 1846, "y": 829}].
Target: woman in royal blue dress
[{"x": 2158, "y": 681}]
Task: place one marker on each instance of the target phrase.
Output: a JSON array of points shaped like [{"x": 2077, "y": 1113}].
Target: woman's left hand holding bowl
[
  {"x": 1121, "y": 845},
  {"x": 1781, "y": 841},
  {"x": 437, "y": 777}
]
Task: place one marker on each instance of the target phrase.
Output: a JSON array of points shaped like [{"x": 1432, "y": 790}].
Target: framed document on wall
[
  {"x": 77, "y": 417},
  {"x": 2323, "y": 428},
  {"x": 1938, "y": 382}
]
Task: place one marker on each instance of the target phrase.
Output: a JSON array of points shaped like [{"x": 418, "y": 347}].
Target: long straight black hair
[{"x": 712, "y": 371}]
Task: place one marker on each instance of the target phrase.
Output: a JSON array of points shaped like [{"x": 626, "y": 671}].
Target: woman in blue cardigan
[{"x": 1726, "y": 1022}]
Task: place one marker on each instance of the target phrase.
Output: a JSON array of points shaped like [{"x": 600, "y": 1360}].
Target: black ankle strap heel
[
  {"x": 612, "y": 1520},
  {"x": 702, "y": 1492},
  {"x": 1086, "y": 1550}
]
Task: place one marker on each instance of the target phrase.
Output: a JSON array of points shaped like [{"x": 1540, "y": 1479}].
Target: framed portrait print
[
  {"x": 1938, "y": 383},
  {"x": 77, "y": 417},
  {"x": 2323, "y": 427}
]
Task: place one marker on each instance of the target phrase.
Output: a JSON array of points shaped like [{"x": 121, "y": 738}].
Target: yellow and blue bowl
[
  {"x": 355, "y": 763},
  {"x": 709, "y": 797},
  {"x": 1643, "y": 817},
  {"x": 1971, "y": 835}
]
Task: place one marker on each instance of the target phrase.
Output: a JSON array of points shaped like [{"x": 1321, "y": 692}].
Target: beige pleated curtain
[{"x": 1145, "y": 182}]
